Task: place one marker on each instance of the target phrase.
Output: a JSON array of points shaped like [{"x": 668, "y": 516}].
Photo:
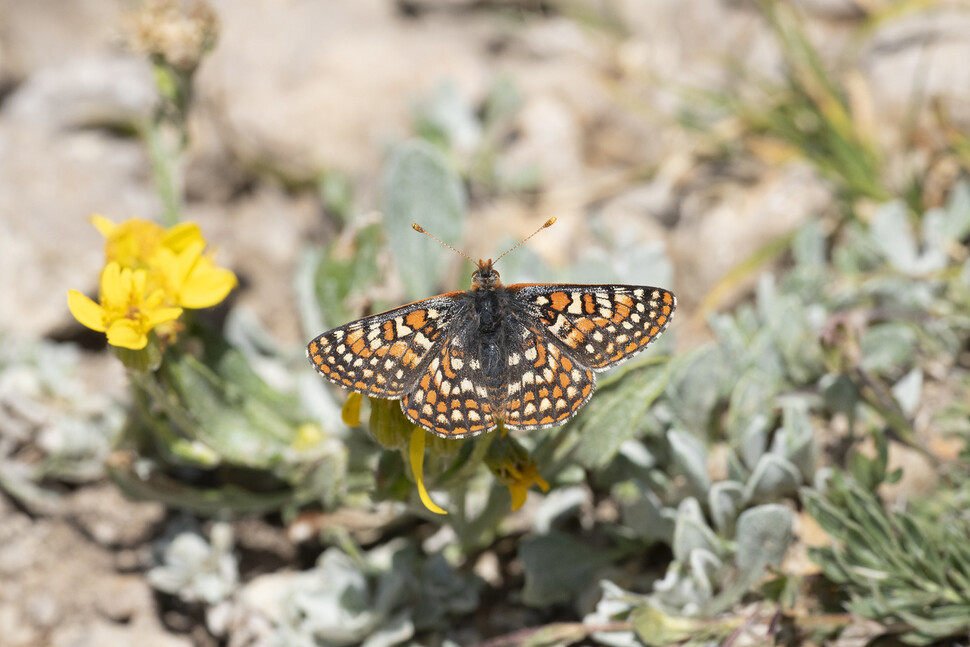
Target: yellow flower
[
  {"x": 520, "y": 478},
  {"x": 172, "y": 257},
  {"x": 512, "y": 465},
  {"x": 127, "y": 312}
]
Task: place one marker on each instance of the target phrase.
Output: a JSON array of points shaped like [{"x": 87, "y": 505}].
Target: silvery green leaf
[
  {"x": 840, "y": 393},
  {"x": 725, "y": 499},
  {"x": 691, "y": 532},
  {"x": 887, "y": 346},
  {"x": 751, "y": 400},
  {"x": 688, "y": 584},
  {"x": 731, "y": 341},
  {"x": 393, "y": 631},
  {"x": 762, "y": 539},
  {"x": 614, "y": 605},
  {"x": 560, "y": 504},
  {"x": 421, "y": 186},
  {"x": 892, "y": 234},
  {"x": 646, "y": 515},
  {"x": 195, "y": 570},
  {"x": 696, "y": 382},
  {"x": 795, "y": 441},
  {"x": 908, "y": 391},
  {"x": 613, "y": 417},
  {"x": 752, "y": 442},
  {"x": 690, "y": 455},
  {"x": 763, "y": 535},
  {"x": 557, "y": 568},
  {"x": 773, "y": 478}
]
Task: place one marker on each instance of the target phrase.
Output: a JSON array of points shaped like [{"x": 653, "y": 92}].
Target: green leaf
[
  {"x": 613, "y": 416},
  {"x": 763, "y": 536},
  {"x": 887, "y": 347},
  {"x": 421, "y": 186},
  {"x": 557, "y": 568},
  {"x": 690, "y": 455},
  {"x": 773, "y": 478}
]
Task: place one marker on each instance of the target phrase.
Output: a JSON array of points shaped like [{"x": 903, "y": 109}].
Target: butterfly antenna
[
  {"x": 418, "y": 228},
  {"x": 548, "y": 223}
]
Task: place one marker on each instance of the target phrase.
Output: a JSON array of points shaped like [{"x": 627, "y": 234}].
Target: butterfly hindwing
[
  {"x": 546, "y": 386},
  {"x": 450, "y": 398},
  {"x": 383, "y": 355},
  {"x": 601, "y": 325}
]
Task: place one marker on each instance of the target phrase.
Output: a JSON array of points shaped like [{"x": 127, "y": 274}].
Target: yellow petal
[
  {"x": 126, "y": 334},
  {"x": 350, "y": 413},
  {"x": 519, "y": 493},
  {"x": 182, "y": 235},
  {"x": 160, "y": 316},
  {"x": 112, "y": 289},
  {"x": 206, "y": 286},
  {"x": 103, "y": 225},
  {"x": 416, "y": 452},
  {"x": 89, "y": 313}
]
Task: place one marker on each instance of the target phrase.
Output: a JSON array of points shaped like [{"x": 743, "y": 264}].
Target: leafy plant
[{"x": 905, "y": 568}]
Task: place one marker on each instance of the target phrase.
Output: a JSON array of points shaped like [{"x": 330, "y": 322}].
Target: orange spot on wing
[
  {"x": 654, "y": 331},
  {"x": 398, "y": 348},
  {"x": 560, "y": 300},
  {"x": 410, "y": 358},
  {"x": 589, "y": 304},
  {"x": 357, "y": 347},
  {"x": 574, "y": 339},
  {"x": 624, "y": 299},
  {"x": 416, "y": 319},
  {"x": 540, "y": 355},
  {"x": 584, "y": 325},
  {"x": 388, "y": 330},
  {"x": 668, "y": 298},
  {"x": 566, "y": 363},
  {"x": 446, "y": 367}
]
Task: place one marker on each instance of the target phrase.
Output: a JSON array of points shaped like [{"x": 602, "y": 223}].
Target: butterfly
[{"x": 524, "y": 355}]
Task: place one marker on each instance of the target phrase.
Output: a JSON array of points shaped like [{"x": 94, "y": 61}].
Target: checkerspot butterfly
[{"x": 523, "y": 354}]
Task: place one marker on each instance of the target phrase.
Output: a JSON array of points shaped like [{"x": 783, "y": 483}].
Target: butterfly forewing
[
  {"x": 600, "y": 325},
  {"x": 384, "y": 354}
]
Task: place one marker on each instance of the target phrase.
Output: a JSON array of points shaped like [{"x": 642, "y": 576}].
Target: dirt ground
[{"x": 296, "y": 87}]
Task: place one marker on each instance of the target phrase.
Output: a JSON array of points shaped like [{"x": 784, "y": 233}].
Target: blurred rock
[
  {"x": 43, "y": 33},
  {"x": 723, "y": 221},
  {"x": 327, "y": 85},
  {"x": 917, "y": 61},
  {"x": 84, "y": 92},
  {"x": 111, "y": 519},
  {"x": 98, "y": 633}
]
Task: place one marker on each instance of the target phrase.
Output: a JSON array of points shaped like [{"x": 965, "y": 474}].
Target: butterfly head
[{"x": 485, "y": 277}]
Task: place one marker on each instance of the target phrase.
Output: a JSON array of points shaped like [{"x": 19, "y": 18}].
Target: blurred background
[{"x": 701, "y": 146}]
